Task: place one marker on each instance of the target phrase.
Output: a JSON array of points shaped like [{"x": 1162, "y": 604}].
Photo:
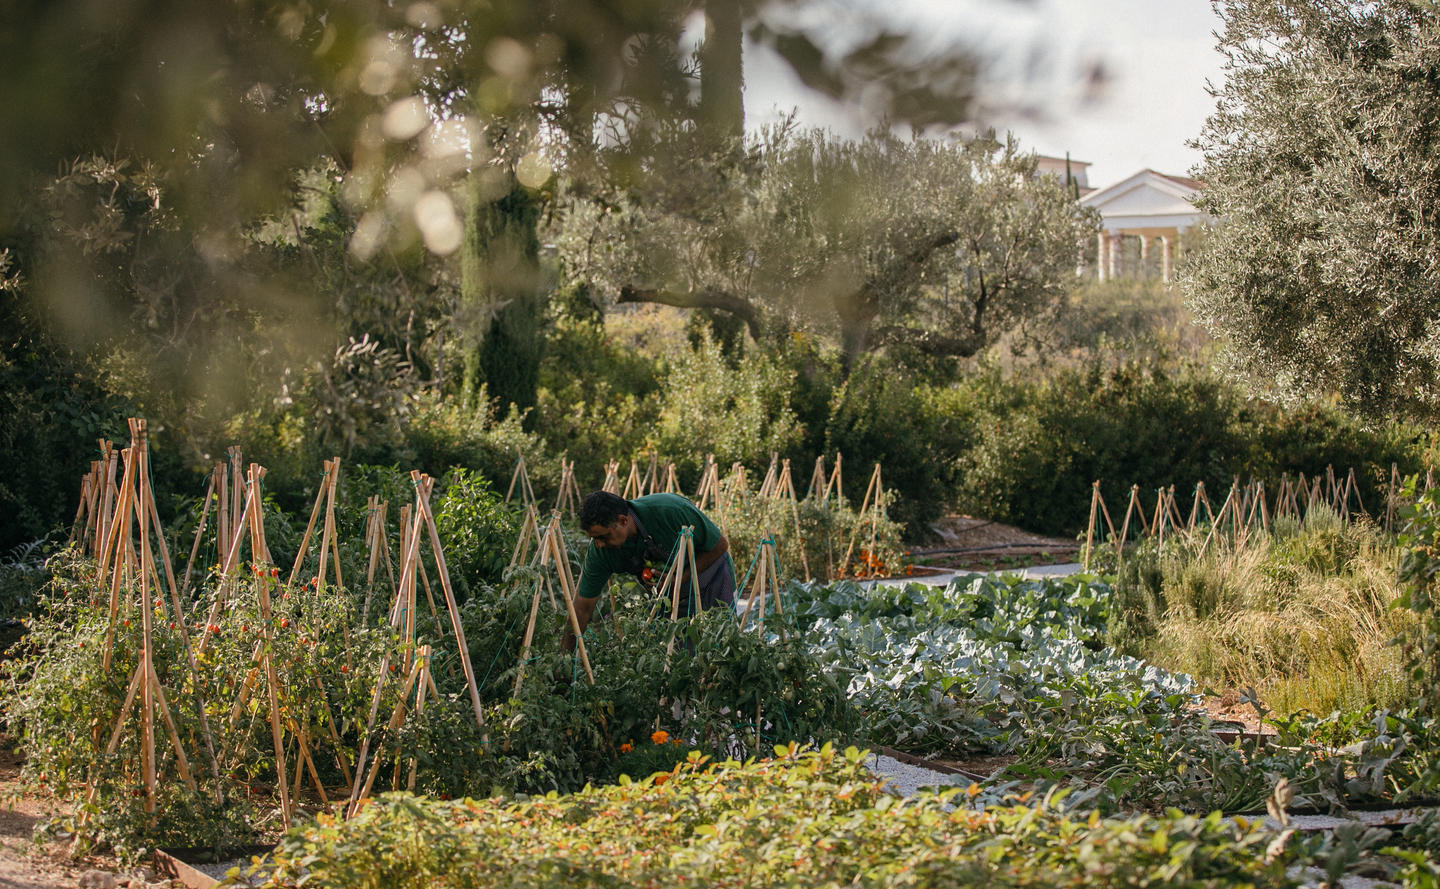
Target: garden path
[{"x": 24, "y": 862}]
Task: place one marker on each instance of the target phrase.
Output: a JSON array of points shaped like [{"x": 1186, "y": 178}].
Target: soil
[
  {"x": 965, "y": 542},
  {"x": 26, "y": 863},
  {"x": 1230, "y": 708}
]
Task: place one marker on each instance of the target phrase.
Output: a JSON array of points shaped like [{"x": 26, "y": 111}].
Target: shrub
[
  {"x": 598, "y": 400},
  {"x": 1305, "y": 617},
  {"x": 1151, "y": 423},
  {"x": 739, "y": 413},
  {"x": 884, "y": 415},
  {"x": 479, "y": 532},
  {"x": 811, "y": 818}
]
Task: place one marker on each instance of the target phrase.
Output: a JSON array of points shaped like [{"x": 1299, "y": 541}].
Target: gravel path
[{"x": 906, "y": 779}]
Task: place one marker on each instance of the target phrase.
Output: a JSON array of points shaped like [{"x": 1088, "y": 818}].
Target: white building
[
  {"x": 1147, "y": 205},
  {"x": 1059, "y": 166}
]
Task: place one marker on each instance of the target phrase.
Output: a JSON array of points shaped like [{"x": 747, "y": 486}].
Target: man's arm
[
  {"x": 704, "y": 560},
  {"x": 584, "y": 610}
]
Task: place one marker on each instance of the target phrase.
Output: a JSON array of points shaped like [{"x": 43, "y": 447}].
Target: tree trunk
[
  {"x": 722, "y": 108},
  {"x": 499, "y": 315}
]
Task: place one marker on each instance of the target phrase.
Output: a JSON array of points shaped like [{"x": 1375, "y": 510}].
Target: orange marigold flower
[
  {"x": 626, "y": 747},
  {"x": 660, "y": 737}
]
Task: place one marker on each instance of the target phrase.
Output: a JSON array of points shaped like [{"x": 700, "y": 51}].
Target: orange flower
[
  {"x": 675, "y": 741},
  {"x": 626, "y": 747},
  {"x": 662, "y": 777},
  {"x": 660, "y": 737}
]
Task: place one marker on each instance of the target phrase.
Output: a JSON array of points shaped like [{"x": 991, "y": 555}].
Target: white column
[
  {"x": 1144, "y": 255},
  {"x": 1117, "y": 256},
  {"x": 1166, "y": 262},
  {"x": 1102, "y": 256}
]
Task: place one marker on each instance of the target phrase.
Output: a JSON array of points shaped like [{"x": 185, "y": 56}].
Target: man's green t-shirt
[{"x": 662, "y": 516}]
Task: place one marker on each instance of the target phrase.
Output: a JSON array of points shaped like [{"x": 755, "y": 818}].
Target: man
[{"x": 629, "y": 536}]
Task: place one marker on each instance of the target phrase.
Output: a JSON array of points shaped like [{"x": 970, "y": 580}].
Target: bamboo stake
[
  {"x": 1090, "y": 527},
  {"x": 397, "y": 717},
  {"x": 236, "y": 484},
  {"x": 301, "y": 552},
  {"x": 634, "y": 487},
  {"x": 147, "y": 668},
  {"x": 1129, "y": 508},
  {"x": 185, "y": 645},
  {"x": 78, "y": 523},
  {"x": 836, "y": 480},
  {"x": 529, "y": 530},
  {"x": 755, "y": 597},
  {"x": 520, "y": 477},
  {"x": 706, "y": 494},
  {"x": 424, "y": 664},
  {"x": 567, "y": 593},
  {"x": 271, "y": 681},
  {"x": 772, "y": 476},
  {"x": 423, "y": 504},
  {"x": 181, "y": 761},
  {"x": 374, "y": 530},
  {"x": 222, "y": 512},
  {"x": 90, "y": 537},
  {"x": 872, "y": 490},
  {"x": 1176, "y": 521},
  {"x": 569, "y": 496},
  {"x": 107, "y": 497},
  {"x": 199, "y": 534},
  {"x": 331, "y": 535},
  {"x": 232, "y": 554},
  {"x": 122, "y": 514},
  {"x": 542, "y": 556},
  {"x": 1353, "y": 486},
  {"x": 788, "y": 490},
  {"x": 334, "y": 736},
  {"x": 529, "y": 637},
  {"x": 1390, "y": 498},
  {"x": 817, "y": 480},
  {"x": 121, "y": 517}
]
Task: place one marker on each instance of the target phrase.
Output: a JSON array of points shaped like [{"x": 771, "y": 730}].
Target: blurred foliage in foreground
[{"x": 409, "y": 235}]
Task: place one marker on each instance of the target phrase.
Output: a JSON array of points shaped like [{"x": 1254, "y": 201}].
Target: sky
[{"x": 1158, "y": 55}]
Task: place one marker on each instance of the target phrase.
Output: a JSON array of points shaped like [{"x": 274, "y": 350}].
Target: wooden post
[
  {"x": 1090, "y": 527},
  {"x": 529, "y": 531},
  {"x": 787, "y": 489},
  {"x": 569, "y": 496},
  {"x": 567, "y": 592},
  {"x": 422, "y": 502},
  {"x": 199, "y": 533},
  {"x": 529, "y": 638},
  {"x": 708, "y": 492},
  {"x": 818, "y": 484},
  {"x": 1129, "y": 508},
  {"x": 634, "y": 486},
  {"x": 871, "y": 504},
  {"x": 300, "y": 553},
  {"x": 330, "y": 536},
  {"x": 520, "y": 478},
  {"x": 122, "y": 518},
  {"x": 1390, "y": 497}
]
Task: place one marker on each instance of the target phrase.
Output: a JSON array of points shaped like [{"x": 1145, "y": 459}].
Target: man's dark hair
[{"x": 601, "y": 509}]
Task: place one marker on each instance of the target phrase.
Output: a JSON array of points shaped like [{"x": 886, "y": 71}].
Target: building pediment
[{"x": 1147, "y": 200}]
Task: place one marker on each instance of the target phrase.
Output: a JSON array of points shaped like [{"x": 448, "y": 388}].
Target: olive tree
[
  {"x": 1322, "y": 161},
  {"x": 937, "y": 245}
]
